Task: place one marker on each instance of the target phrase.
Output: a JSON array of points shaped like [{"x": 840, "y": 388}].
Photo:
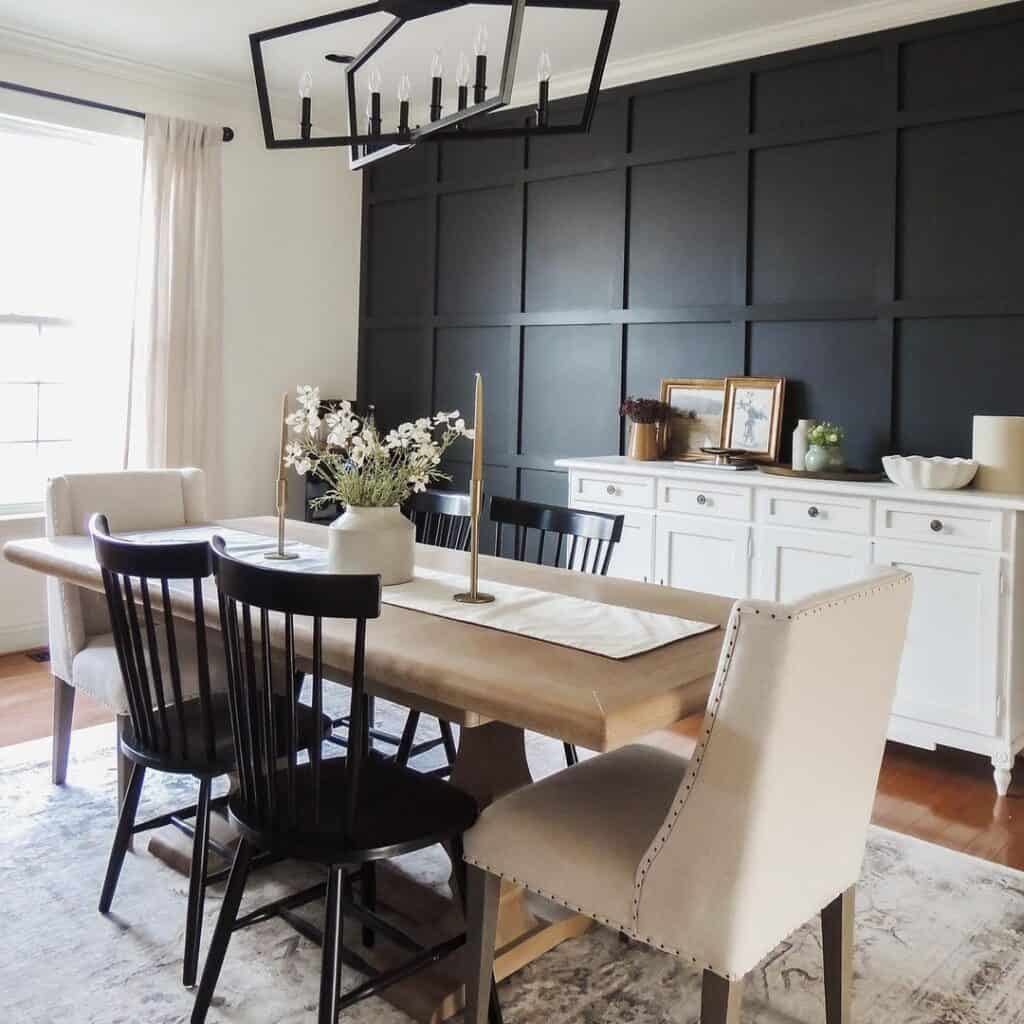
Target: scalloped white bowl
[{"x": 934, "y": 474}]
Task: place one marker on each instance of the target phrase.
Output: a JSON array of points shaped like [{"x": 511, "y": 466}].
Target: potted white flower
[{"x": 370, "y": 476}]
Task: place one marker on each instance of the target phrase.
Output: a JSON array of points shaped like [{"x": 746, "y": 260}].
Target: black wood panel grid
[{"x": 848, "y": 216}]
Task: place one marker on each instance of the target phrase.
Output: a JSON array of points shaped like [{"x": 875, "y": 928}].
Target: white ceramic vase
[
  {"x": 373, "y": 540},
  {"x": 800, "y": 443}
]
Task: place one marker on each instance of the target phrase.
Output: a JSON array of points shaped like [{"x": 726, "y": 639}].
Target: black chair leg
[
  {"x": 449, "y": 741},
  {"x": 123, "y": 836},
  {"x": 408, "y": 735},
  {"x": 371, "y": 719},
  {"x": 330, "y": 971},
  {"x": 368, "y": 880},
  {"x": 197, "y": 885},
  {"x": 222, "y": 933},
  {"x": 571, "y": 756}
]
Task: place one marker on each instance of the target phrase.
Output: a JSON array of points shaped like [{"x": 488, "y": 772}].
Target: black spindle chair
[
  {"x": 575, "y": 539},
  {"x": 342, "y": 812},
  {"x": 178, "y": 710}
]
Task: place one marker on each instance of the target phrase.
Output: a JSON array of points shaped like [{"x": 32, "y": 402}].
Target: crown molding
[
  {"x": 857, "y": 20},
  {"x": 211, "y": 88}
]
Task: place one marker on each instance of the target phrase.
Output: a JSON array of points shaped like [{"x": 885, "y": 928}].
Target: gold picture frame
[
  {"x": 698, "y": 405},
  {"x": 752, "y": 422}
]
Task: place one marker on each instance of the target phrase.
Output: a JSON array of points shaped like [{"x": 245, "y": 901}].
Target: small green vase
[
  {"x": 836, "y": 459},
  {"x": 816, "y": 460}
]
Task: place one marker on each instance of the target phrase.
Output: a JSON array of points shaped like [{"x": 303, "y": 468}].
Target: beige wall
[{"x": 291, "y": 278}]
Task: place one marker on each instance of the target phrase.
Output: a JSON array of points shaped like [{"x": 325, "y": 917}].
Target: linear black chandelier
[{"x": 374, "y": 143}]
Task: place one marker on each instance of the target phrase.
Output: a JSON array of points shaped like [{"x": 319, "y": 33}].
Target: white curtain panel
[{"x": 175, "y": 374}]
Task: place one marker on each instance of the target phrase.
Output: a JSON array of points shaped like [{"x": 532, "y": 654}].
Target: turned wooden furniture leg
[
  {"x": 483, "y": 891},
  {"x": 720, "y": 1000},
  {"x": 63, "y": 709},
  {"x": 837, "y": 950},
  {"x": 1002, "y": 765}
]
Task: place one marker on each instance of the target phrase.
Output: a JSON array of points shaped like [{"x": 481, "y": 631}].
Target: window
[{"x": 69, "y": 212}]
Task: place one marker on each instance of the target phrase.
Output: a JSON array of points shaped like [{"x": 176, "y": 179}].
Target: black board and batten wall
[{"x": 849, "y": 216}]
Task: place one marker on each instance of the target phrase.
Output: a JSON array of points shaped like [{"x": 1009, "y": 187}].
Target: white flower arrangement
[
  {"x": 360, "y": 467},
  {"x": 826, "y": 435}
]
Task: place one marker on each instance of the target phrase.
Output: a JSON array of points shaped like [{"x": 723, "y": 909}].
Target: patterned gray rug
[{"x": 940, "y": 936}]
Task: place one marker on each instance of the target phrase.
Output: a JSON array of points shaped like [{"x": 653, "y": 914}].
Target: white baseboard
[{"x": 23, "y": 638}]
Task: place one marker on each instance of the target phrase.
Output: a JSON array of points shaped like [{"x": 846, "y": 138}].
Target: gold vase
[{"x": 644, "y": 442}]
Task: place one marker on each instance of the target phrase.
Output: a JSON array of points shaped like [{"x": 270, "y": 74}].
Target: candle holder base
[
  {"x": 474, "y": 598},
  {"x": 281, "y": 556}
]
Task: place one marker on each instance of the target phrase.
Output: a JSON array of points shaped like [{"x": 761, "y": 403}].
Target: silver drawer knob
[
  {"x": 936, "y": 525},
  {"x": 702, "y": 499},
  {"x": 612, "y": 489},
  {"x": 813, "y": 512}
]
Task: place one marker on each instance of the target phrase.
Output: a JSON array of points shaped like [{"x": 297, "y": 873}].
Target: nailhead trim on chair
[{"x": 689, "y": 784}]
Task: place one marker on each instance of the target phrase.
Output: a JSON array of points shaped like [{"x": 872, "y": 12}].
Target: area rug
[{"x": 940, "y": 936}]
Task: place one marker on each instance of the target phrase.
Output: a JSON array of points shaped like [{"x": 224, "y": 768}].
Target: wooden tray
[{"x": 851, "y": 476}]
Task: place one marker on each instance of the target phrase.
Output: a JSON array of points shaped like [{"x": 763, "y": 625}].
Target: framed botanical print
[
  {"x": 753, "y": 416},
  {"x": 697, "y": 406}
]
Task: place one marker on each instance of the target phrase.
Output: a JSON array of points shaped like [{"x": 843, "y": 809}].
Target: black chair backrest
[
  {"x": 598, "y": 531},
  {"x": 129, "y": 569},
  {"x": 442, "y": 518},
  {"x": 259, "y": 746}
]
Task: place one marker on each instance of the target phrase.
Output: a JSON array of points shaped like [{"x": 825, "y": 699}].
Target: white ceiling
[{"x": 209, "y": 38}]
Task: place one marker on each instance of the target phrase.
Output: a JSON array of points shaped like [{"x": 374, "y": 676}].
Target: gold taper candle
[
  {"x": 284, "y": 431},
  {"x": 282, "y": 487},
  {"x": 476, "y": 486},
  {"x": 478, "y": 430}
]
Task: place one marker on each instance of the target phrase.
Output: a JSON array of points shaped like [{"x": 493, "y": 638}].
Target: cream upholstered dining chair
[
  {"x": 718, "y": 858},
  {"x": 82, "y": 651}
]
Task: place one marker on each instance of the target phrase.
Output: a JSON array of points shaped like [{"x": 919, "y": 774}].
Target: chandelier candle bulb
[
  {"x": 436, "y": 84},
  {"x": 306, "y": 96},
  {"x": 543, "y": 88},
  {"x": 480, "y": 48},
  {"x": 373, "y": 109},
  {"x": 462, "y": 80},
  {"x": 404, "y": 92}
]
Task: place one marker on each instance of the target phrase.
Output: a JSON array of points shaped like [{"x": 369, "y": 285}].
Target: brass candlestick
[
  {"x": 476, "y": 486},
  {"x": 474, "y": 596},
  {"x": 282, "y": 490}
]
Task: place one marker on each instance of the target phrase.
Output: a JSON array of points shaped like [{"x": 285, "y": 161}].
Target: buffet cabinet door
[
  {"x": 794, "y": 563},
  {"x": 950, "y": 670},
  {"x": 633, "y": 555},
  {"x": 711, "y": 556}
]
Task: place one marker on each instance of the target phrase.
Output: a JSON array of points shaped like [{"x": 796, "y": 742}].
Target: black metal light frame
[{"x": 378, "y": 146}]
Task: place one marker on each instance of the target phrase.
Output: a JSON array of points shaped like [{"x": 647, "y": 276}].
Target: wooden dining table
[{"x": 495, "y": 685}]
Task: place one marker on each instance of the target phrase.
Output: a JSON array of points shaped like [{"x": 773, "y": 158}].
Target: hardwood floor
[
  {"x": 945, "y": 796},
  {"x": 26, "y": 701}
]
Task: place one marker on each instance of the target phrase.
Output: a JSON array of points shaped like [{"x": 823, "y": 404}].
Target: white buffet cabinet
[{"x": 748, "y": 534}]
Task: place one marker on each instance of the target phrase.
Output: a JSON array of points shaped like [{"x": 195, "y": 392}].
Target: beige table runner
[{"x": 591, "y": 626}]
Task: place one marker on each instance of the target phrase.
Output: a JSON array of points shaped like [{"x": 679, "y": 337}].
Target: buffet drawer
[
  {"x": 605, "y": 489},
  {"x": 941, "y": 524},
  {"x": 700, "y": 498},
  {"x": 810, "y": 511}
]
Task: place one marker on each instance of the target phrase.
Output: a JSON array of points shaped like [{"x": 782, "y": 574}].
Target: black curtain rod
[{"x": 46, "y": 94}]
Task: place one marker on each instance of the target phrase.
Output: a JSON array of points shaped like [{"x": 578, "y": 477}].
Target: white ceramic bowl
[{"x": 934, "y": 474}]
